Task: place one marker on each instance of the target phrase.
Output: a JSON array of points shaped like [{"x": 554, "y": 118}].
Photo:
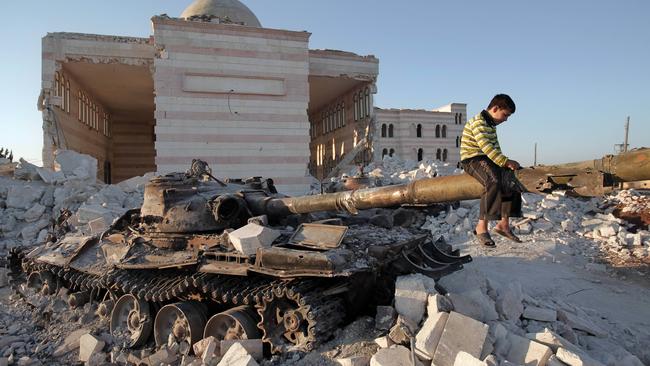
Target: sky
[{"x": 575, "y": 69}]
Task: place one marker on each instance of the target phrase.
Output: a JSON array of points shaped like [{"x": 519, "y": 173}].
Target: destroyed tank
[{"x": 175, "y": 269}]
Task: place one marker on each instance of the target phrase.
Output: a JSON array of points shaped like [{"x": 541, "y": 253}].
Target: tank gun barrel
[{"x": 586, "y": 178}]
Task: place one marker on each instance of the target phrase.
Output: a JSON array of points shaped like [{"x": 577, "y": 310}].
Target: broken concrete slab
[
  {"x": 474, "y": 304},
  {"x": 541, "y": 314},
  {"x": 527, "y": 352},
  {"x": 74, "y": 164},
  {"x": 575, "y": 359},
  {"x": 553, "y": 340},
  {"x": 88, "y": 346},
  {"x": 465, "y": 359},
  {"x": 580, "y": 323},
  {"x": 252, "y": 236},
  {"x": 385, "y": 317},
  {"x": 429, "y": 335},
  {"x": 254, "y": 347},
  {"x": 411, "y": 294},
  {"x": 24, "y": 196},
  {"x": 510, "y": 301},
  {"x": 237, "y": 356},
  {"x": 25, "y": 170},
  {"x": 461, "y": 333},
  {"x": 393, "y": 356}
]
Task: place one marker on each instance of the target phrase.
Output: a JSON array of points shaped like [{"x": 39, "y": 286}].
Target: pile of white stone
[
  {"x": 393, "y": 170},
  {"x": 483, "y": 323},
  {"x": 33, "y": 197},
  {"x": 558, "y": 213}
]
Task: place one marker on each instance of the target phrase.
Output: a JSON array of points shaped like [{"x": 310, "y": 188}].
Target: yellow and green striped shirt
[{"x": 480, "y": 138}]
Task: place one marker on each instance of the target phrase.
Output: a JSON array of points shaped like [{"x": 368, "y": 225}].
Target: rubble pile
[
  {"x": 35, "y": 196},
  {"x": 393, "y": 170},
  {"x": 592, "y": 222}
]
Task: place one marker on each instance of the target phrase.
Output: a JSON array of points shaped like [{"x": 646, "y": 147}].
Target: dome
[{"x": 232, "y": 10}]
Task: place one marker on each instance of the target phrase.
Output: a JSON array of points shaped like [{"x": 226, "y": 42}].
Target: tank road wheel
[
  {"x": 43, "y": 282},
  {"x": 286, "y": 324},
  {"x": 184, "y": 321},
  {"x": 131, "y": 320},
  {"x": 236, "y": 323}
]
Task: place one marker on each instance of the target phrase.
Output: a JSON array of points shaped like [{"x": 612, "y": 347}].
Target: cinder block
[
  {"x": 541, "y": 314},
  {"x": 428, "y": 337},
  {"x": 89, "y": 345},
  {"x": 465, "y": 359},
  {"x": 254, "y": 347},
  {"x": 526, "y": 352},
  {"x": 461, "y": 333}
]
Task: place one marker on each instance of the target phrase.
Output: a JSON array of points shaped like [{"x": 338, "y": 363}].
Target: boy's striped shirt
[{"x": 480, "y": 138}]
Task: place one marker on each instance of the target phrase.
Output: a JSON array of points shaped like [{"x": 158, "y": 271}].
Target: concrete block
[
  {"x": 384, "y": 342},
  {"x": 541, "y": 314},
  {"x": 510, "y": 301},
  {"x": 24, "y": 196},
  {"x": 163, "y": 357},
  {"x": 411, "y": 293},
  {"x": 385, "y": 317},
  {"x": 200, "y": 346},
  {"x": 553, "y": 361},
  {"x": 71, "y": 342},
  {"x": 252, "y": 236},
  {"x": 393, "y": 356},
  {"x": 237, "y": 356},
  {"x": 474, "y": 304},
  {"x": 461, "y": 333},
  {"x": 465, "y": 359},
  {"x": 97, "y": 359},
  {"x": 577, "y": 322},
  {"x": 437, "y": 303},
  {"x": 71, "y": 163},
  {"x": 89, "y": 345},
  {"x": 354, "y": 361},
  {"x": 254, "y": 347},
  {"x": 526, "y": 352},
  {"x": 428, "y": 337},
  {"x": 575, "y": 359}
]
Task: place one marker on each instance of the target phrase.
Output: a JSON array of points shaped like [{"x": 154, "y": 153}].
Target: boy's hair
[{"x": 503, "y": 101}]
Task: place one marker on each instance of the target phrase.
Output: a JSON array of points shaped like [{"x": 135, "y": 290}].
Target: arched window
[
  {"x": 57, "y": 84},
  {"x": 420, "y": 153},
  {"x": 438, "y": 154},
  {"x": 390, "y": 130},
  {"x": 67, "y": 96},
  {"x": 383, "y": 130},
  {"x": 343, "y": 113},
  {"x": 437, "y": 131},
  {"x": 362, "y": 105},
  {"x": 80, "y": 103},
  {"x": 444, "y": 132},
  {"x": 460, "y": 118},
  {"x": 392, "y": 151},
  {"x": 444, "y": 155},
  {"x": 418, "y": 132},
  {"x": 356, "y": 107},
  {"x": 384, "y": 152},
  {"x": 367, "y": 102},
  {"x": 457, "y": 141}
]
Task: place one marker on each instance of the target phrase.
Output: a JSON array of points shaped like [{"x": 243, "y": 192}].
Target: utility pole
[
  {"x": 535, "y": 156},
  {"x": 627, "y": 129}
]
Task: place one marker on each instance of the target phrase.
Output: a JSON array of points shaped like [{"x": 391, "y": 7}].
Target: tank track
[{"x": 299, "y": 302}]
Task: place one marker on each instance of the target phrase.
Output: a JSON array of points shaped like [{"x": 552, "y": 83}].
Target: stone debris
[
  {"x": 535, "y": 313},
  {"x": 526, "y": 352},
  {"x": 254, "y": 347},
  {"x": 574, "y": 359},
  {"x": 70, "y": 343},
  {"x": 237, "y": 356},
  {"x": 411, "y": 294},
  {"x": 426, "y": 341},
  {"x": 437, "y": 303},
  {"x": 465, "y": 359},
  {"x": 354, "y": 361},
  {"x": 461, "y": 333},
  {"x": 394, "y": 356},
  {"x": 89, "y": 346},
  {"x": 385, "y": 317}
]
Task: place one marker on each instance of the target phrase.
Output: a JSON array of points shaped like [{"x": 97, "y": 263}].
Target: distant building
[
  {"x": 420, "y": 134},
  {"x": 212, "y": 84}
]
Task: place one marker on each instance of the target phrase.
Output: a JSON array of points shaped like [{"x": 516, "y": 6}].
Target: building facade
[
  {"x": 212, "y": 84},
  {"x": 420, "y": 134}
]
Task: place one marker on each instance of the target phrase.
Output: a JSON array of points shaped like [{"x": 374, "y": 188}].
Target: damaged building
[{"x": 214, "y": 84}]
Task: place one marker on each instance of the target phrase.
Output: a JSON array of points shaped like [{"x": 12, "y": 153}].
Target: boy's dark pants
[{"x": 499, "y": 199}]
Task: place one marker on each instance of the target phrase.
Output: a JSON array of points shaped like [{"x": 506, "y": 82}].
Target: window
[
  {"x": 420, "y": 153},
  {"x": 343, "y": 113},
  {"x": 457, "y": 141},
  {"x": 383, "y": 130},
  {"x": 80, "y": 103},
  {"x": 392, "y": 151},
  {"x": 444, "y": 131},
  {"x": 362, "y": 105},
  {"x": 460, "y": 118},
  {"x": 444, "y": 155},
  {"x": 57, "y": 84},
  {"x": 390, "y": 130},
  {"x": 367, "y": 102},
  {"x": 418, "y": 132},
  {"x": 67, "y": 96},
  {"x": 356, "y": 107},
  {"x": 438, "y": 131},
  {"x": 438, "y": 154}
]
